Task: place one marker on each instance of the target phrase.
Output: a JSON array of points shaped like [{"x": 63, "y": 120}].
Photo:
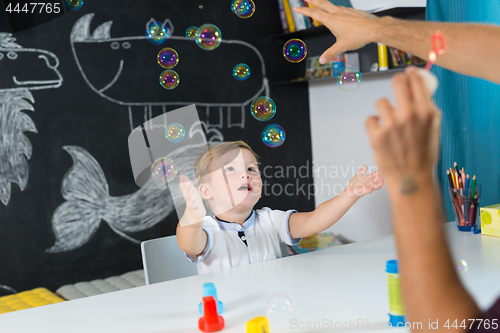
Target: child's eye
[{"x": 229, "y": 169}]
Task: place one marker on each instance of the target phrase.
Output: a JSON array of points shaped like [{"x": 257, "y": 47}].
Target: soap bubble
[
  {"x": 191, "y": 172},
  {"x": 263, "y": 108},
  {"x": 200, "y": 6},
  {"x": 164, "y": 169},
  {"x": 243, "y": 8},
  {"x": 156, "y": 32},
  {"x": 74, "y": 4},
  {"x": 241, "y": 72},
  {"x": 210, "y": 37},
  {"x": 295, "y": 50},
  {"x": 349, "y": 79},
  {"x": 169, "y": 79},
  {"x": 193, "y": 32},
  {"x": 175, "y": 132},
  {"x": 273, "y": 135},
  {"x": 279, "y": 306},
  {"x": 461, "y": 265},
  {"x": 168, "y": 58}
]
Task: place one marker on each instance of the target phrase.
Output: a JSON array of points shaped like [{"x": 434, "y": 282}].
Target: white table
[{"x": 333, "y": 286}]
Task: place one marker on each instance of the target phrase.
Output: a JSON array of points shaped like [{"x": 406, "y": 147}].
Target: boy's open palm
[
  {"x": 195, "y": 209},
  {"x": 362, "y": 183}
]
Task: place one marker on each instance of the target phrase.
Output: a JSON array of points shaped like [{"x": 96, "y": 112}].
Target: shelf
[
  {"x": 400, "y": 12},
  {"x": 332, "y": 78}
]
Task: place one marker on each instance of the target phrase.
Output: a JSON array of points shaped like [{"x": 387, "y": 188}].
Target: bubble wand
[{"x": 438, "y": 47}]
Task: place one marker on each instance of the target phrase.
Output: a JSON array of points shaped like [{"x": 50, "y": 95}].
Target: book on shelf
[
  {"x": 401, "y": 58},
  {"x": 288, "y": 15},
  {"x": 299, "y": 19},
  {"x": 284, "y": 23}
]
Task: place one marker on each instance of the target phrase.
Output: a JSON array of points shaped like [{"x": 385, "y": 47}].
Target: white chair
[{"x": 163, "y": 260}]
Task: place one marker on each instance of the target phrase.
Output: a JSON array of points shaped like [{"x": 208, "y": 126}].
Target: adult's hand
[
  {"x": 405, "y": 137},
  {"x": 353, "y": 28}
]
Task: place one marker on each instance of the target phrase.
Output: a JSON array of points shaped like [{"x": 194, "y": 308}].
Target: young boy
[{"x": 237, "y": 234}]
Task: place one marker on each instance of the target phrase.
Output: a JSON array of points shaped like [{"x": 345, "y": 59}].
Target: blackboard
[{"x": 72, "y": 89}]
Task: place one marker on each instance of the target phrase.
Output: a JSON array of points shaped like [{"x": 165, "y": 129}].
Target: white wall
[{"x": 340, "y": 144}]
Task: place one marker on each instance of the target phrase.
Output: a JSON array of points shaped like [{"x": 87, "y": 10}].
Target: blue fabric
[{"x": 470, "y": 132}]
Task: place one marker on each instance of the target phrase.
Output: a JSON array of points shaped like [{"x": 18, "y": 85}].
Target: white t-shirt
[{"x": 226, "y": 247}]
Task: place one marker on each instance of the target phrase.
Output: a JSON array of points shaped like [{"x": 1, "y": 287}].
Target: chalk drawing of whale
[
  {"x": 22, "y": 70},
  {"x": 117, "y": 64},
  {"x": 88, "y": 202}
]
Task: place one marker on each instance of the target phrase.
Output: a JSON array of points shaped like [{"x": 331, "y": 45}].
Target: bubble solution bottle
[{"x": 396, "y": 308}]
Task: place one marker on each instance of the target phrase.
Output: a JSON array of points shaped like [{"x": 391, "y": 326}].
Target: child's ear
[{"x": 205, "y": 191}]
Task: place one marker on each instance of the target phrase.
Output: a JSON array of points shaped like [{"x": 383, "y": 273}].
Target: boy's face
[{"x": 235, "y": 185}]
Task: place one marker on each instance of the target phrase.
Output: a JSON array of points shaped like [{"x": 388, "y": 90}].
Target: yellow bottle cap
[{"x": 258, "y": 325}]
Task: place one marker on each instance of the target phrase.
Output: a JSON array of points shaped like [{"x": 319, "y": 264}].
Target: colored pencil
[
  {"x": 471, "y": 216},
  {"x": 455, "y": 165},
  {"x": 467, "y": 181},
  {"x": 453, "y": 178},
  {"x": 449, "y": 178},
  {"x": 459, "y": 212},
  {"x": 462, "y": 173},
  {"x": 473, "y": 187}
]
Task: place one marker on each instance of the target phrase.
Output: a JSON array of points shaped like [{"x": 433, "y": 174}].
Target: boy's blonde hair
[{"x": 204, "y": 163}]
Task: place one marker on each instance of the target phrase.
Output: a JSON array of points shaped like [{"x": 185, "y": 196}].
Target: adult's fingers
[
  {"x": 332, "y": 52},
  {"x": 402, "y": 93},
  {"x": 386, "y": 112},
  {"x": 420, "y": 93},
  {"x": 324, "y": 5},
  {"x": 372, "y": 126}
]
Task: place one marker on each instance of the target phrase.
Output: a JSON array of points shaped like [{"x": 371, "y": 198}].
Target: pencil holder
[{"x": 465, "y": 203}]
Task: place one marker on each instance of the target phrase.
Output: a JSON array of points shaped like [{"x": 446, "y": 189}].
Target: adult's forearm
[
  {"x": 430, "y": 286},
  {"x": 471, "y": 49}
]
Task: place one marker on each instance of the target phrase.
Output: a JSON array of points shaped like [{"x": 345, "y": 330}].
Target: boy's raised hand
[
  {"x": 362, "y": 183},
  {"x": 195, "y": 209}
]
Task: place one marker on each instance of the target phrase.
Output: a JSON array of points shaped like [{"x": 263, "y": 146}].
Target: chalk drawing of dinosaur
[{"x": 22, "y": 70}]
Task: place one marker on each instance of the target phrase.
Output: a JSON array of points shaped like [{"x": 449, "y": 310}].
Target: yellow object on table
[
  {"x": 28, "y": 299},
  {"x": 258, "y": 325},
  {"x": 490, "y": 220}
]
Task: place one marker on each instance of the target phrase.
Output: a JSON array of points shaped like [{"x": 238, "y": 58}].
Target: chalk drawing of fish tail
[
  {"x": 15, "y": 147},
  {"x": 86, "y": 192}
]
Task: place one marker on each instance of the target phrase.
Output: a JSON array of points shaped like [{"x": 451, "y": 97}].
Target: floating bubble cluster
[
  {"x": 273, "y": 135},
  {"x": 169, "y": 79},
  {"x": 241, "y": 72},
  {"x": 164, "y": 169},
  {"x": 175, "y": 132},
  {"x": 193, "y": 32},
  {"x": 210, "y": 37},
  {"x": 295, "y": 50},
  {"x": 168, "y": 58},
  {"x": 243, "y": 8},
  {"x": 349, "y": 79},
  {"x": 263, "y": 108},
  {"x": 156, "y": 32}
]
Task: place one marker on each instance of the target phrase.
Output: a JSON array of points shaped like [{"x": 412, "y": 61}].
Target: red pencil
[
  {"x": 459, "y": 212},
  {"x": 471, "y": 215}
]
